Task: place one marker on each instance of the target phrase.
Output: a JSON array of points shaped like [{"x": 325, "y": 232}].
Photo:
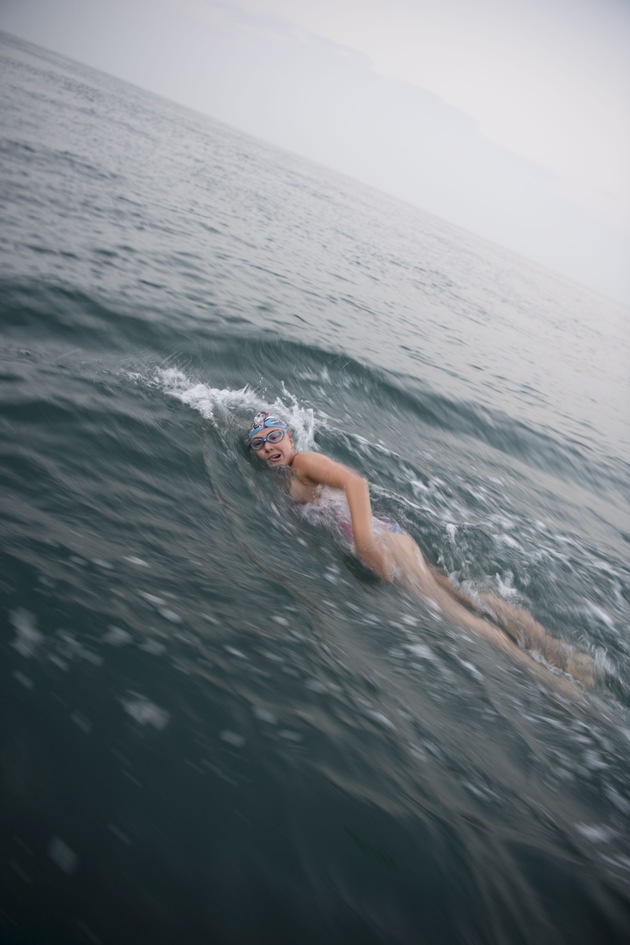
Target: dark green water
[{"x": 216, "y": 726}]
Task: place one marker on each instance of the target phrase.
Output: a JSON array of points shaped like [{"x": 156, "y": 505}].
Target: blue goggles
[{"x": 257, "y": 442}]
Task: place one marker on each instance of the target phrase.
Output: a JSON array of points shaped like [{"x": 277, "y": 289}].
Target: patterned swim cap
[{"x": 265, "y": 419}]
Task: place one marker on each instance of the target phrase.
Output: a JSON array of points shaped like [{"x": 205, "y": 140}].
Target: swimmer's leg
[
  {"x": 526, "y": 632},
  {"x": 413, "y": 572},
  {"x": 411, "y": 569},
  {"x": 519, "y": 624}
]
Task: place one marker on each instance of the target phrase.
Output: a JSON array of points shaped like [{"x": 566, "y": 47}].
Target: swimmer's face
[{"x": 277, "y": 454}]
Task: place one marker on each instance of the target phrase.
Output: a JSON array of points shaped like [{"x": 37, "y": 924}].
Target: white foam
[
  {"x": 505, "y": 585},
  {"x": 409, "y": 620},
  {"x": 472, "y": 669},
  {"x": 210, "y": 401},
  {"x": 509, "y": 542},
  {"x": 422, "y": 651},
  {"x": 202, "y": 397},
  {"x": 600, "y": 614}
]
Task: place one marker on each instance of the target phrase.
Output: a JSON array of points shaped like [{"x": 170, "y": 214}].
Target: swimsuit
[
  {"x": 390, "y": 525},
  {"x": 330, "y": 510},
  {"x": 381, "y": 523}
]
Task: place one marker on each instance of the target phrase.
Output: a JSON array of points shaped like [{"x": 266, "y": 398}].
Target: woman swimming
[{"x": 392, "y": 554}]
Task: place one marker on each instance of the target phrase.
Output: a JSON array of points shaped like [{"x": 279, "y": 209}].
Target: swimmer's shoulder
[
  {"x": 303, "y": 487},
  {"x": 302, "y": 462},
  {"x": 302, "y": 484},
  {"x": 315, "y": 469}
]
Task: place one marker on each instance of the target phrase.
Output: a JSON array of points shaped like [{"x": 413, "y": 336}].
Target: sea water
[{"x": 216, "y": 725}]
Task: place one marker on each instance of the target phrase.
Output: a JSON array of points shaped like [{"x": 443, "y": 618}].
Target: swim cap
[{"x": 265, "y": 419}]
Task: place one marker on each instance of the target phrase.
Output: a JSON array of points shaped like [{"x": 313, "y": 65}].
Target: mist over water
[{"x": 216, "y": 725}]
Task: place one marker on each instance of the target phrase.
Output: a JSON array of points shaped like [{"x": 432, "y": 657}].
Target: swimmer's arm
[{"x": 321, "y": 470}]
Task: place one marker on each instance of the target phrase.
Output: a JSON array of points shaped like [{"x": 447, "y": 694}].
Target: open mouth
[{"x": 274, "y": 457}]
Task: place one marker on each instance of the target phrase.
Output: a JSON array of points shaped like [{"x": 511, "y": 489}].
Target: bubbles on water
[
  {"x": 69, "y": 648},
  {"x": 139, "y": 562},
  {"x": 621, "y": 803},
  {"x": 152, "y": 598},
  {"x": 381, "y": 718},
  {"x": 600, "y": 615},
  {"x": 82, "y": 722},
  {"x": 593, "y": 761},
  {"x": 209, "y": 618},
  {"x": 272, "y": 657},
  {"x": 597, "y": 833},
  {"x": 421, "y": 651},
  {"x": 232, "y": 738},
  {"x": 154, "y": 647},
  {"x": 160, "y": 606},
  {"x": 508, "y": 541},
  {"x": 332, "y": 574},
  {"x": 116, "y": 636},
  {"x": 146, "y": 712},
  {"x": 409, "y": 621},
  {"x": 101, "y": 563},
  {"x": 27, "y": 637},
  {"x": 61, "y": 854},
  {"x": 280, "y": 620},
  {"x": 505, "y": 585},
  {"x": 472, "y": 669},
  {"x": 264, "y": 715},
  {"x": 171, "y": 615},
  {"x": 234, "y": 652},
  {"x": 23, "y": 679}
]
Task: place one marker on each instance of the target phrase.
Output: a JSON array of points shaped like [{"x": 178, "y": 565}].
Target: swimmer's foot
[
  {"x": 521, "y": 627},
  {"x": 583, "y": 667}
]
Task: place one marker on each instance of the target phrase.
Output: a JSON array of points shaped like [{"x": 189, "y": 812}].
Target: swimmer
[{"x": 392, "y": 554}]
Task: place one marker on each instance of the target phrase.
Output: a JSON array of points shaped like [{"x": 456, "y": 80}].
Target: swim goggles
[
  {"x": 261, "y": 420},
  {"x": 258, "y": 442}
]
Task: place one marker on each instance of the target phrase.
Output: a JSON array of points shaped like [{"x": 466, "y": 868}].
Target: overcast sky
[{"x": 508, "y": 117}]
